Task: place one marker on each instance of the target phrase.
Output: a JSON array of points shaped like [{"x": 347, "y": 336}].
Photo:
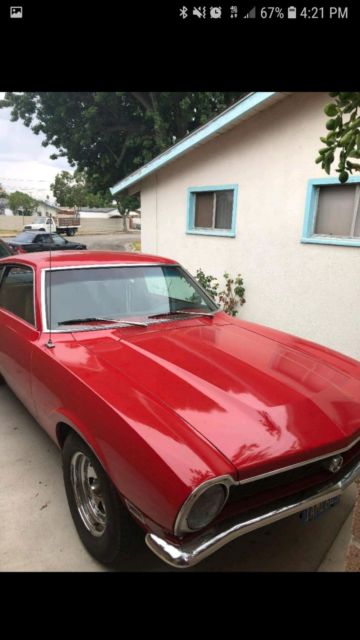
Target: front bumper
[{"x": 187, "y": 554}]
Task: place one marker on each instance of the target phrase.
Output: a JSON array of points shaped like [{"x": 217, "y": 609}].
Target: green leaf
[
  {"x": 343, "y": 177},
  {"x": 331, "y": 110},
  {"x": 331, "y": 124},
  {"x": 326, "y": 166},
  {"x": 348, "y": 137}
]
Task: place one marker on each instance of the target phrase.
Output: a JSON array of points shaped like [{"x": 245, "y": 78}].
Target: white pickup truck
[{"x": 60, "y": 224}]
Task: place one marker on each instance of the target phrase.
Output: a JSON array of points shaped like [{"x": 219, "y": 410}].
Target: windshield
[
  {"x": 141, "y": 293},
  {"x": 40, "y": 220}
]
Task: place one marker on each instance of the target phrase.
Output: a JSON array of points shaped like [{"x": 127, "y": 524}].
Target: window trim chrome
[
  {"x": 298, "y": 464},
  {"x": 180, "y": 526},
  {"x": 44, "y": 270}
]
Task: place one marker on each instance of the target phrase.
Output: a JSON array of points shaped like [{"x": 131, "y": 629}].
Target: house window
[
  {"x": 333, "y": 212},
  {"x": 212, "y": 210}
]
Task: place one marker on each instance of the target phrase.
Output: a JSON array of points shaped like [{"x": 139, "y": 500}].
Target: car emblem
[{"x": 334, "y": 465}]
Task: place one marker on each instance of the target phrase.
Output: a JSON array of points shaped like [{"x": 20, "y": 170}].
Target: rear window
[{"x": 25, "y": 236}]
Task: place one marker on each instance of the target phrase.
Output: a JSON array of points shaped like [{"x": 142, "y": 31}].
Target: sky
[{"x": 25, "y": 164}]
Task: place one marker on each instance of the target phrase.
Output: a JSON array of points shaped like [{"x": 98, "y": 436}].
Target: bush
[{"x": 231, "y": 297}]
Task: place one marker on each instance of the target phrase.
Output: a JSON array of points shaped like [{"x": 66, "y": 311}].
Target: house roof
[
  {"x": 97, "y": 209},
  {"x": 47, "y": 204},
  {"x": 244, "y": 108}
]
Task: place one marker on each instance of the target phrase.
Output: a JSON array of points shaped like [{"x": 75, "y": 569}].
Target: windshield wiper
[
  {"x": 99, "y": 319},
  {"x": 183, "y": 312}
]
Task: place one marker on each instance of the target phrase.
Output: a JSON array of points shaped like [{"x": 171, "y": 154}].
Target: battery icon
[{"x": 291, "y": 12}]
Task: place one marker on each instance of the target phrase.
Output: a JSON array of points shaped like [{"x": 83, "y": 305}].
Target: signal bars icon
[{"x": 251, "y": 14}]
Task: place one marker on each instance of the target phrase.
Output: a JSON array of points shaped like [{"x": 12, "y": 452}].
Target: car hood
[{"x": 261, "y": 402}]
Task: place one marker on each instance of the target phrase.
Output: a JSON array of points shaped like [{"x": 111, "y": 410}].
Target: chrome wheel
[{"x": 88, "y": 494}]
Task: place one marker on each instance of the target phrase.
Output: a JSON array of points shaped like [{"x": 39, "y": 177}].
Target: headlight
[
  {"x": 202, "y": 506},
  {"x": 207, "y": 507}
]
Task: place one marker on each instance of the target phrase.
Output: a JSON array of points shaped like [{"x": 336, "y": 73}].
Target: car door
[
  {"x": 18, "y": 332},
  {"x": 59, "y": 243},
  {"x": 42, "y": 242}
]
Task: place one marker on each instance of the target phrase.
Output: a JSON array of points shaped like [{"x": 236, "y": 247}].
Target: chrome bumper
[{"x": 190, "y": 553}]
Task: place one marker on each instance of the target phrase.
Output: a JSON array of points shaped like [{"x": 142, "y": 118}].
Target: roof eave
[{"x": 225, "y": 120}]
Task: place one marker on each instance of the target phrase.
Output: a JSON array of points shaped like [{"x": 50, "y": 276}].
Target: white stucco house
[
  {"x": 45, "y": 209},
  {"x": 99, "y": 213},
  {"x": 243, "y": 194}
]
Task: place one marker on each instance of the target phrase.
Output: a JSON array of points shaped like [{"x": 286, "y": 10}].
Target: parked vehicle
[
  {"x": 195, "y": 425},
  {"x": 4, "y": 249},
  {"x": 29, "y": 241},
  {"x": 67, "y": 222}
]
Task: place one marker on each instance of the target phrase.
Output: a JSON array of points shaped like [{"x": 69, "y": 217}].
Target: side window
[
  {"x": 212, "y": 211},
  {"x": 58, "y": 240},
  {"x": 3, "y": 252},
  {"x": 17, "y": 292},
  {"x": 45, "y": 238},
  {"x": 332, "y": 214}
]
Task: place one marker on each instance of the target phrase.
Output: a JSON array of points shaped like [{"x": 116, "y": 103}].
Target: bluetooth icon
[{"x": 184, "y": 13}]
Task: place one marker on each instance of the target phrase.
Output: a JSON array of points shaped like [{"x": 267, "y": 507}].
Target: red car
[{"x": 196, "y": 426}]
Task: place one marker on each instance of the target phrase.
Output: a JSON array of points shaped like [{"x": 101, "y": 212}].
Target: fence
[{"x": 89, "y": 226}]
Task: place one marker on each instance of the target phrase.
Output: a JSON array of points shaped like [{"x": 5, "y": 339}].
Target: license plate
[{"x": 318, "y": 509}]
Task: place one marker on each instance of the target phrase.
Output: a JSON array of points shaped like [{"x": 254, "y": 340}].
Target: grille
[{"x": 289, "y": 482}]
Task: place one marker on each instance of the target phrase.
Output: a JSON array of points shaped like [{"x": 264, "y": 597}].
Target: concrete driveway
[
  {"x": 37, "y": 533},
  {"x": 109, "y": 242}
]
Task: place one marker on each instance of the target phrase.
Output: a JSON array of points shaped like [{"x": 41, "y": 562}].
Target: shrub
[{"x": 231, "y": 297}]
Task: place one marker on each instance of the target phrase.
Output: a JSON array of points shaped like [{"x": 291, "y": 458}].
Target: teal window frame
[
  {"x": 308, "y": 235},
  {"x": 190, "y": 217}
]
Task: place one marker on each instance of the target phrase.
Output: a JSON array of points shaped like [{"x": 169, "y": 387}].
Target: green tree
[
  {"x": 343, "y": 135},
  {"x": 3, "y": 199},
  {"x": 125, "y": 204},
  {"x": 74, "y": 190},
  {"x": 3, "y": 193},
  {"x": 110, "y": 134},
  {"x": 22, "y": 203}
]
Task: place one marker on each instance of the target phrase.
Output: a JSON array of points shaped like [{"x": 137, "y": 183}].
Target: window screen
[
  {"x": 214, "y": 209},
  {"x": 337, "y": 211},
  {"x": 204, "y": 205},
  {"x": 224, "y": 206}
]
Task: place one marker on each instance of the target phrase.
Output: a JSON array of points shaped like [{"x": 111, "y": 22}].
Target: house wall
[
  {"x": 45, "y": 210},
  {"x": 309, "y": 290}
]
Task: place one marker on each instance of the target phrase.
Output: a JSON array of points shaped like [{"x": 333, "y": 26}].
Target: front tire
[{"x": 102, "y": 522}]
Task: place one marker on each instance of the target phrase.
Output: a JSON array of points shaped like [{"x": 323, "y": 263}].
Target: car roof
[
  {"x": 41, "y": 260},
  {"x": 30, "y": 232}
]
